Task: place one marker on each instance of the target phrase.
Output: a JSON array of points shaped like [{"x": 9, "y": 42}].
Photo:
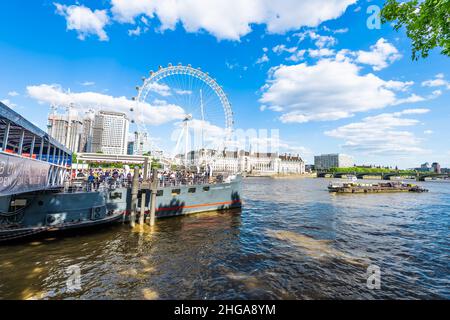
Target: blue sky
[{"x": 311, "y": 69}]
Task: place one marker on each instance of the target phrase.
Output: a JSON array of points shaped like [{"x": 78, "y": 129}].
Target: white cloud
[
  {"x": 381, "y": 134},
  {"x": 325, "y": 41},
  {"x": 411, "y": 99},
  {"x": 336, "y": 31},
  {"x": 328, "y": 90},
  {"x": 322, "y": 52},
  {"x": 135, "y": 32},
  {"x": 13, "y": 93},
  {"x": 435, "y": 94},
  {"x": 428, "y": 132},
  {"x": 183, "y": 92},
  {"x": 264, "y": 58},
  {"x": 88, "y": 83},
  {"x": 85, "y": 21},
  {"x": 202, "y": 134},
  {"x": 8, "y": 103},
  {"x": 438, "y": 81},
  {"x": 230, "y": 19},
  {"x": 161, "y": 89},
  {"x": 319, "y": 40},
  {"x": 279, "y": 49},
  {"x": 380, "y": 55},
  {"x": 399, "y": 85},
  {"x": 83, "y": 101},
  {"x": 297, "y": 56}
]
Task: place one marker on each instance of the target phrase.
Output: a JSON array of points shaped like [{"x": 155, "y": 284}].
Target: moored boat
[
  {"x": 174, "y": 199},
  {"x": 392, "y": 186},
  {"x": 50, "y": 211}
]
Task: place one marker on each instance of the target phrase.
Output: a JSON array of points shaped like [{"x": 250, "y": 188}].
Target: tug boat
[{"x": 392, "y": 186}]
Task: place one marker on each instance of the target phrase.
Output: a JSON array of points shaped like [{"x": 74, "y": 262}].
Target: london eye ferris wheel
[{"x": 191, "y": 102}]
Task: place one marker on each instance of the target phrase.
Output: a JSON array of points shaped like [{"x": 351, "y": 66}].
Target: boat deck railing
[{"x": 79, "y": 185}]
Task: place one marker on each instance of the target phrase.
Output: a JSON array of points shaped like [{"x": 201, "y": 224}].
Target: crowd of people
[
  {"x": 95, "y": 178},
  {"x": 183, "y": 177}
]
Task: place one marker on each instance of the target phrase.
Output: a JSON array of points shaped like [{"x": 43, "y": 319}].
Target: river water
[{"x": 293, "y": 240}]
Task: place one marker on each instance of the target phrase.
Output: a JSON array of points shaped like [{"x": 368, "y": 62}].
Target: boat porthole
[
  {"x": 97, "y": 213},
  {"x": 51, "y": 219}
]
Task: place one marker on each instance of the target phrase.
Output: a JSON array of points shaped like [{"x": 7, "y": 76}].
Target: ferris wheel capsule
[
  {"x": 138, "y": 88},
  {"x": 170, "y": 65},
  {"x": 133, "y": 98}
]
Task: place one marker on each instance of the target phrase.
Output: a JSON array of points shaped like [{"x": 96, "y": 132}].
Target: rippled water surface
[{"x": 293, "y": 240}]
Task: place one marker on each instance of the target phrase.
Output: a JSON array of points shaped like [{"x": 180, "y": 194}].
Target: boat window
[
  {"x": 176, "y": 192},
  {"x": 205, "y": 189},
  {"x": 159, "y": 193},
  {"x": 191, "y": 190},
  {"x": 115, "y": 195}
]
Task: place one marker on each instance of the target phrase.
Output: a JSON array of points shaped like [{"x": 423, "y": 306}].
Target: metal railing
[{"x": 78, "y": 185}]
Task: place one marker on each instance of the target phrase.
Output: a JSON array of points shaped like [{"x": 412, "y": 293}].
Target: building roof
[{"x": 112, "y": 113}]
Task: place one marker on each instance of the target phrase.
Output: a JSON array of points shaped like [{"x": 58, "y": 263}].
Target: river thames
[{"x": 293, "y": 240}]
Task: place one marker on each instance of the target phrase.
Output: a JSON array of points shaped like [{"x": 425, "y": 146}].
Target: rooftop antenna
[{"x": 53, "y": 108}]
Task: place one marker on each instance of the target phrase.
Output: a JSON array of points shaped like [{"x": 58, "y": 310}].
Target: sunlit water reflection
[{"x": 293, "y": 240}]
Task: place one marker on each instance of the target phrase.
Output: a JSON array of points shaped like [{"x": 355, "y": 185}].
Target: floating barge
[{"x": 353, "y": 187}]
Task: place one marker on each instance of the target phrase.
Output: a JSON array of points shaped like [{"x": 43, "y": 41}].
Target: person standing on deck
[{"x": 91, "y": 179}]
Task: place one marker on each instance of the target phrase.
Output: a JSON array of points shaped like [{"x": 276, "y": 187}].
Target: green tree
[{"x": 427, "y": 23}]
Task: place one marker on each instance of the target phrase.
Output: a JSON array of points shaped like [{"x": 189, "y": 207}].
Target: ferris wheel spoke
[{"x": 197, "y": 94}]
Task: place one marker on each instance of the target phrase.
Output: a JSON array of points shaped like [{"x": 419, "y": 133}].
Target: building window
[
  {"x": 115, "y": 195},
  {"x": 159, "y": 193},
  {"x": 191, "y": 190},
  {"x": 205, "y": 189},
  {"x": 176, "y": 192}
]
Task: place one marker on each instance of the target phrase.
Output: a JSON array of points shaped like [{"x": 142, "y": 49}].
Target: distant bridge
[{"x": 419, "y": 176}]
